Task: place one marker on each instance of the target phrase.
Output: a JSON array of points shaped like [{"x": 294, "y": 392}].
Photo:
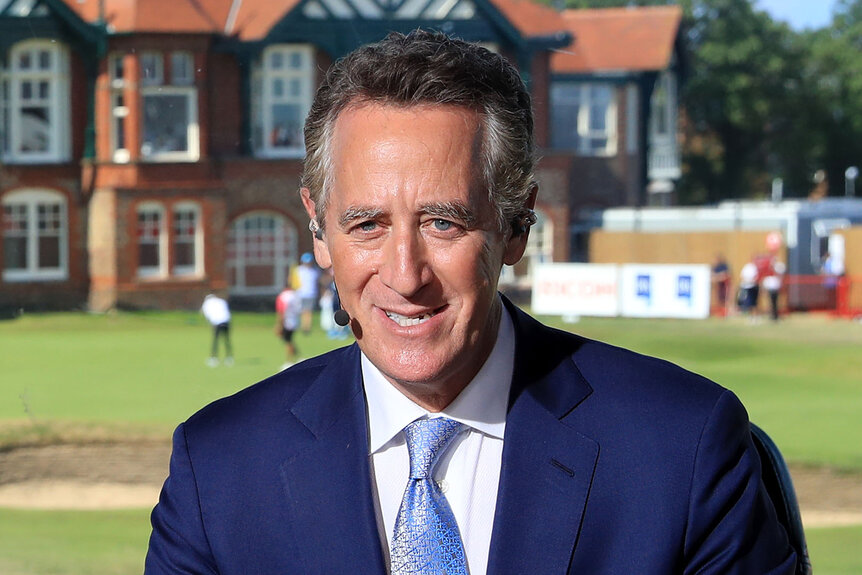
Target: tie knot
[{"x": 426, "y": 441}]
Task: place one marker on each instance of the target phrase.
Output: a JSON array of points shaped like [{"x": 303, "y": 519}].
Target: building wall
[{"x": 677, "y": 247}]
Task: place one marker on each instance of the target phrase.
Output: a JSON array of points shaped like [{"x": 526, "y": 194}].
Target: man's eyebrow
[
  {"x": 452, "y": 210},
  {"x": 354, "y": 213}
]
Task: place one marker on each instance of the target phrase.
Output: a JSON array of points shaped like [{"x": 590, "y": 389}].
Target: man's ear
[
  {"x": 517, "y": 241},
  {"x": 321, "y": 249}
]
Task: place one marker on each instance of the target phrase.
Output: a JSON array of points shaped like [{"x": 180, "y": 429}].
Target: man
[
  {"x": 569, "y": 456},
  {"x": 287, "y": 310},
  {"x": 217, "y": 313}
]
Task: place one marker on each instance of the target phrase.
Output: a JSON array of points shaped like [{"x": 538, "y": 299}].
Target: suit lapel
[
  {"x": 547, "y": 466},
  {"x": 327, "y": 475}
]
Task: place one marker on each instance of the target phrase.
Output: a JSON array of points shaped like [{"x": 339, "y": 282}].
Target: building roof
[
  {"x": 253, "y": 19},
  {"x": 618, "y": 39},
  {"x": 157, "y": 16}
]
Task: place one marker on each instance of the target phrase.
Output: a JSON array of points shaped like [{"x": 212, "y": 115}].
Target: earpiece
[
  {"x": 314, "y": 228},
  {"x": 522, "y": 223}
]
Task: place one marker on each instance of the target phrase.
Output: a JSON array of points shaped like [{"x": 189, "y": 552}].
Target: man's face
[{"x": 414, "y": 246}]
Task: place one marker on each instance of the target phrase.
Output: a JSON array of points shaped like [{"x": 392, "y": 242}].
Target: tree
[
  {"x": 743, "y": 92},
  {"x": 833, "y": 72}
]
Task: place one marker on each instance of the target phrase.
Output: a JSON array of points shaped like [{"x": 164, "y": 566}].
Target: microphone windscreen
[{"x": 342, "y": 318}]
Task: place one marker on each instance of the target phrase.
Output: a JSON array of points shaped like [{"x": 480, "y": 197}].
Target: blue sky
[{"x": 799, "y": 14}]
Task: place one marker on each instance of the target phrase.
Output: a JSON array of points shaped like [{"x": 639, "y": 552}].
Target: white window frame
[
  {"x": 161, "y": 269},
  {"x": 585, "y": 134},
  {"x": 119, "y": 109},
  {"x": 285, "y": 236},
  {"x": 31, "y": 200},
  {"x": 57, "y": 103},
  {"x": 264, "y": 76},
  {"x": 196, "y": 240}
]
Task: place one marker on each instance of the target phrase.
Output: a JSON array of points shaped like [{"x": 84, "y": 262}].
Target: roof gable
[
  {"x": 253, "y": 20},
  {"x": 619, "y": 39},
  {"x": 185, "y": 16}
]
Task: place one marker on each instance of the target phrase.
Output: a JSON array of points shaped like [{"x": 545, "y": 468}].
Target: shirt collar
[{"x": 482, "y": 405}]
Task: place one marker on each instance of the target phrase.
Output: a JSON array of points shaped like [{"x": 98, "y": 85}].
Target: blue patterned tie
[{"x": 426, "y": 539}]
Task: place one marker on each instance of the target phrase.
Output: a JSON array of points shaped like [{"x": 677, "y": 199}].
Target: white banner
[
  {"x": 575, "y": 289},
  {"x": 665, "y": 290}
]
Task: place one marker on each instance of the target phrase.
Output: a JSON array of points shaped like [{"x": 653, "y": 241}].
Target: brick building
[{"x": 150, "y": 150}]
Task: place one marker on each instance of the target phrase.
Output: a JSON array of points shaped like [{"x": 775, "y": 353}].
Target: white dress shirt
[{"x": 469, "y": 470}]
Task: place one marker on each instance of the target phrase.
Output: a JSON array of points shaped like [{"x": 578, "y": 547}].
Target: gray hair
[{"x": 431, "y": 68}]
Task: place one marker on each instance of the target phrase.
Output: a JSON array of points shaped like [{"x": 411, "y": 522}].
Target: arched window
[
  {"x": 35, "y": 236},
  {"x": 282, "y": 89},
  {"x": 34, "y": 103},
  {"x": 261, "y": 247}
]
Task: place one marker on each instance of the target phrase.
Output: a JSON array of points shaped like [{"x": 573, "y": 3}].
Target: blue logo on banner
[
  {"x": 643, "y": 287},
  {"x": 683, "y": 287}
]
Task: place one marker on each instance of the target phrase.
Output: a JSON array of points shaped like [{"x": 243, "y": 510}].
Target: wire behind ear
[
  {"x": 522, "y": 223},
  {"x": 314, "y": 228}
]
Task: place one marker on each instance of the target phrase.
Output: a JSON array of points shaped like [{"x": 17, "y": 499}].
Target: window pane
[
  {"x": 148, "y": 255},
  {"x": 15, "y": 237},
  {"x": 49, "y": 252},
  {"x": 277, "y": 87},
  {"x": 149, "y": 235},
  {"x": 151, "y": 69},
  {"x": 166, "y": 124},
  {"x": 565, "y": 105},
  {"x": 185, "y": 229},
  {"x": 184, "y": 255},
  {"x": 117, "y": 67},
  {"x": 44, "y": 90},
  {"x": 35, "y": 129},
  {"x": 296, "y": 60},
  {"x": 25, "y": 61},
  {"x": 598, "y": 118},
  {"x": 44, "y": 60},
  {"x": 276, "y": 60},
  {"x": 181, "y": 68},
  {"x": 287, "y": 126},
  {"x": 15, "y": 253}
]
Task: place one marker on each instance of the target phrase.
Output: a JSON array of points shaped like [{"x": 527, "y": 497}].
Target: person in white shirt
[
  {"x": 217, "y": 313},
  {"x": 458, "y": 435}
]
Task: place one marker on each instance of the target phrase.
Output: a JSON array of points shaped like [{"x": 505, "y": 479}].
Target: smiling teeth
[{"x": 404, "y": 321}]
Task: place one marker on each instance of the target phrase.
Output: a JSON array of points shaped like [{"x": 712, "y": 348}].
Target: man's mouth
[{"x": 405, "y": 321}]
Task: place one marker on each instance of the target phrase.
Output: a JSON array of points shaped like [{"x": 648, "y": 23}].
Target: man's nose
[{"x": 405, "y": 268}]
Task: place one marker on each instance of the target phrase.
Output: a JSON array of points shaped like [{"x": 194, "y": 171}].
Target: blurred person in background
[
  {"x": 217, "y": 313},
  {"x": 288, "y": 308},
  {"x": 308, "y": 277}
]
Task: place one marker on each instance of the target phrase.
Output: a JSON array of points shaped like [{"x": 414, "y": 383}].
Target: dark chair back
[{"x": 779, "y": 486}]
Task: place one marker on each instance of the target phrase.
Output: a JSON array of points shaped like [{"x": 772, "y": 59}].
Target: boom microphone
[{"x": 342, "y": 318}]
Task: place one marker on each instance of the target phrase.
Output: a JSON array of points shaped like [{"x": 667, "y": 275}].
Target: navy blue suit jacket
[{"x": 612, "y": 463}]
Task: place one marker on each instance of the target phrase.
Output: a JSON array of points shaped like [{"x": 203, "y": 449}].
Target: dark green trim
[{"x": 606, "y": 77}]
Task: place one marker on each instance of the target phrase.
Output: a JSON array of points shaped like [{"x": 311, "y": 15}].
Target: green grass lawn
[
  {"x": 73, "y": 542},
  {"x": 132, "y": 374},
  {"x": 123, "y": 375},
  {"x": 114, "y": 543}
]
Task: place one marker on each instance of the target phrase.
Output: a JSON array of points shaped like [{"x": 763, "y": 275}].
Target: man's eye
[
  {"x": 367, "y": 226},
  {"x": 442, "y": 225}
]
